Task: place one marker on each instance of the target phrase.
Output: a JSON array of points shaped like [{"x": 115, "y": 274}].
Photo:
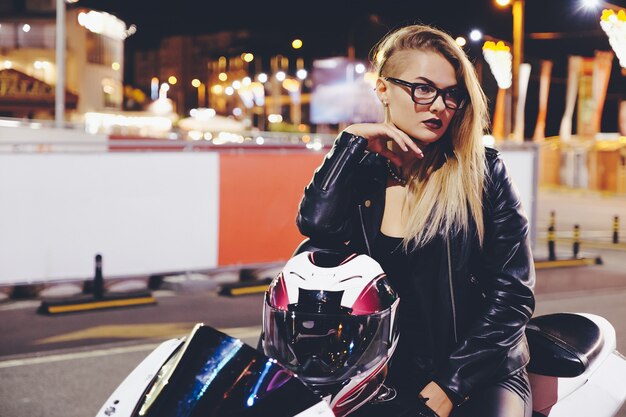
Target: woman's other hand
[
  {"x": 378, "y": 134},
  {"x": 438, "y": 401}
]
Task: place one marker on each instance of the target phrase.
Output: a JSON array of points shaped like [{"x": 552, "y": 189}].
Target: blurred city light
[
  {"x": 500, "y": 61},
  {"x": 614, "y": 25},
  {"x": 489, "y": 140},
  {"x": 229, "y": 91},
  {"x": 26, "y": 28},
  {"x": 291, "y": 85},
  {"x": 237, "y": 111},
  {"x": 359, "y": 68},
  {"x": 162, "y": 106},
  {"x": 165, "y": 87},
  {"x": 262, "y": 77},
  {"x": 154, "y": 88},
  {"x": 296, "y": 44},
  {"x": 248, "y": 57},
  {"x": 8, "y": 64},
  {"x": 259, "y": 140},
  {"x": 370, "y": 78},
  {"x": 246, "y": 81},
  {"x": 236, "y": 84},
  {"x": 503, "y": 2},
  {"x": 217, "y": 89},
  {"x": 104, "y": 24},
  {"x": 195, "y": 135},
  {"x": 223, "y": 76},
  {"x": 476, "y": 35},
  {"x": 301, "y": 74},
  {"x": 591, "y": 4},
  {"x": 280, "y": 76},
  {"x": 115, "y": 66},
  {"x": 275, "y": 118},
  {"x": 461, "y": 41},
  {"x": 196, "y": 82},
  {"x": 172, "y": 80}
]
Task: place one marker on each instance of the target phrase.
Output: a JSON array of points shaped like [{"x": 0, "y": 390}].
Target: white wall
[
  {"x": 521, "y": 163},
  {"x": 144, "y": 212}
]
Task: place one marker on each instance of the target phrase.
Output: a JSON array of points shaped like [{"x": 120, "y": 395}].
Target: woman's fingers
[
  {"x": 404, "y": 141},
  {"x": 378, "y": 134}
]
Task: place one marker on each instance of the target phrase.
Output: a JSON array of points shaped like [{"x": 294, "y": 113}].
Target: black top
[{"x": 421, "y": 345}]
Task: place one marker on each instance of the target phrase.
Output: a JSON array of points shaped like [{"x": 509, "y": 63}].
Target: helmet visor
[{"x": 326, "y": 348}]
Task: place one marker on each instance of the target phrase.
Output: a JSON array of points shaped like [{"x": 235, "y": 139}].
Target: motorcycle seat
[{"x": 563, "y": 344}]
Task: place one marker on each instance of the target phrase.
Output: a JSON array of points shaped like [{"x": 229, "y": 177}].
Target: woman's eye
[{"x": 423, "y": 89}]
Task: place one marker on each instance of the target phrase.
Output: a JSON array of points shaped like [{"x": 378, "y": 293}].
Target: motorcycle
[{"x": 575, "y": 369}]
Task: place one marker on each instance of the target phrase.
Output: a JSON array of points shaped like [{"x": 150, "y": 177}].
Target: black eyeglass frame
[{"x": 443, "y": 92}]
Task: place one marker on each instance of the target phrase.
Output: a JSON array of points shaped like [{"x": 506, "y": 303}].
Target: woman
[{"x": 421, "y": 195}]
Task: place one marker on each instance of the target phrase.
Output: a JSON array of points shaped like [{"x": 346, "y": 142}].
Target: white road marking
[
  {"x": 17, "y": 305},
  {"x": 76, "y": 355},
  {"x": 236, "y": 332}
]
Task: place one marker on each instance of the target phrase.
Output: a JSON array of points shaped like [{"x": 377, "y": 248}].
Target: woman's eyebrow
[{"x": 435, "y": 85}]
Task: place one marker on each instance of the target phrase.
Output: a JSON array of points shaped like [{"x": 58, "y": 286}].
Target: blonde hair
[{"x": 445, "y": 189}]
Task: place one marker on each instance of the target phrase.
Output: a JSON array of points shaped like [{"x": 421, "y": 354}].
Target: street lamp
[{"x": 518, "y": 41}]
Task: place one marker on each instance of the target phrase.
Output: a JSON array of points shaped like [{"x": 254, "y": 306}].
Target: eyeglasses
[{"x": 422, "y": 93}]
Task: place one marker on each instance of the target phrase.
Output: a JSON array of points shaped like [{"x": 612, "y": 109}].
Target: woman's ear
[{"x": 381, "y": 91}]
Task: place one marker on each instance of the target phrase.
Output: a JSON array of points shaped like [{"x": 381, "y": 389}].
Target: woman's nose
[{"x": 437, "y": 105}]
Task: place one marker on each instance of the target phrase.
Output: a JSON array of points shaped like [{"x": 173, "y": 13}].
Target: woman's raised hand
[{"x": 378, "y": 134}]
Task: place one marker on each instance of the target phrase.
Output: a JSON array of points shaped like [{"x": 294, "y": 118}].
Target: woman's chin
[{"x": 425, "y": 139}]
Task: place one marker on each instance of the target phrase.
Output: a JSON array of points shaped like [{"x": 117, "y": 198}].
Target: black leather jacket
[{"x": 489, "y": 290}]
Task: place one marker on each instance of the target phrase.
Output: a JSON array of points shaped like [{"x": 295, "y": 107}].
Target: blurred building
[
  {"x": 94, "y": 59},
  {"x": 228, "y": 71}
]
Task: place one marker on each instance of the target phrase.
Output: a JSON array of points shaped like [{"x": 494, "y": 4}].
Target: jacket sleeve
[
  {"x": 507, "y": 279},
  {"x": 325, "y": 208}
]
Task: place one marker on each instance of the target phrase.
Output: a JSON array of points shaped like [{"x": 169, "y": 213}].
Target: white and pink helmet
[{"x": 331, "y": 319}]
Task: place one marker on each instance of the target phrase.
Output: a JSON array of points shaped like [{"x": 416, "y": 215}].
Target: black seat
[{"x": 563, "y": 344}]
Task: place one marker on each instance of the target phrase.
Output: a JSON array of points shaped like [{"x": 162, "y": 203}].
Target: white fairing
[
  {"x": 349, "y": 277},
  {"x": 602, "y": 394},
  {"x": 124, "y": 399},
  {"x": 601, "y": 390},
  {"x": 569, "y": 385}
]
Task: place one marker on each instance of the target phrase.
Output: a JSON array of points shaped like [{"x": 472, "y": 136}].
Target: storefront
[{"x": 24, "y": 96}]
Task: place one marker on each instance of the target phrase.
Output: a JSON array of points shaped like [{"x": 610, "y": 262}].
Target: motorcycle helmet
[{"x": 331, "y": 319}]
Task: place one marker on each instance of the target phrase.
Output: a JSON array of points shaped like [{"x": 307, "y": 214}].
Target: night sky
[{"x": 327, "y": 27}]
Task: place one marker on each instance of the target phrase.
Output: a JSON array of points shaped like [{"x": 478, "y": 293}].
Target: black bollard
[
  {"x": 551, "y": 248},
  {"x": 616, "y": 229},
  {"x": 98, "y": 280},
  {"x": 576, "y": 245}
]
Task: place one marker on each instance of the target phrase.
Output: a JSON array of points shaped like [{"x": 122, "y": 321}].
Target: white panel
[
  {"x": 144, "y": 212},
  {"x": 521, "y": 165}
]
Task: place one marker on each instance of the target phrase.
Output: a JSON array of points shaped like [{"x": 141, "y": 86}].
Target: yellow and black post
[
  {"x": 616, "y": 229},
  {"x": 98, "y": 280},
  {"x": 99, "y": 300},
  {"x": 552, "y": 219},
  {"x": 551, "y": 244},
  {"x": 576, "y": 244}
]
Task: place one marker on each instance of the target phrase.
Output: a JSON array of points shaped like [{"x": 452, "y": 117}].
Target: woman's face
[{"x": 425, "y": 123}]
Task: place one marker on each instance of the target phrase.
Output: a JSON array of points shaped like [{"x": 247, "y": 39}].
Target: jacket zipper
[
  {"x": 334, "y": 167},
  {"x": 367, "y": 243},
  {"x": 456, "y": 338}
]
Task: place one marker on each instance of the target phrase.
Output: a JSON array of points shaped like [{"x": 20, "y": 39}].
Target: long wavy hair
[{"x": 444, "y": 190}]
